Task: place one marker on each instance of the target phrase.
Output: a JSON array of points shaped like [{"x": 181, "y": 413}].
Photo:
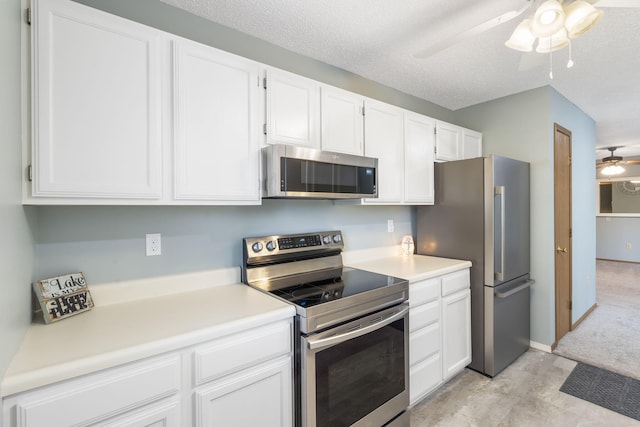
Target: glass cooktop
[{"x": 352, "y": 282}]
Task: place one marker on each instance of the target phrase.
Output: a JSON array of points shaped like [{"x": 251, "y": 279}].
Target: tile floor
[{"x": 525, "y": 394}]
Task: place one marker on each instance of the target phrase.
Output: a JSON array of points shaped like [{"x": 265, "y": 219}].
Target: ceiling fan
[
  {"x": 508, "y": 16},
  {"x": 611, "y": 165}
]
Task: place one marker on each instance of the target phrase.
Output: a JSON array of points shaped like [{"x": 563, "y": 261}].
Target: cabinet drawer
[
  {"x": 424, "y": 291},
  {"x": 424, "y": 343},
  {"x": 423, "y": 315},
  {"x": 424, "y": 377},
  {"x": 98, "y": 397},
  {"x": 455, "y": 282},
  {"x": 227, "y": 355}
]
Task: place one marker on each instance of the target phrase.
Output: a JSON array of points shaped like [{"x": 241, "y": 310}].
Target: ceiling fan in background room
[
  {"x": 552, "y": 23},
  {"x": 611, "y": 165}
]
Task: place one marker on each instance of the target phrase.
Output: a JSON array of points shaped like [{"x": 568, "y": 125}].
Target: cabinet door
[
  {"x": 383, "y": 133},
  {"x": 96, "y": 104},
  {"x": 166, "y": 414},
  {"x": 342, "y": 121},
  {"x": 293, "y": 109},
  {"x": 418, "y": 158},
  {"x": 471, "y": 144},
  {"x": 216, "y": 125},
  {"x": 456, "y": 333},
  {"x": 260, "y": 396},
  {"x": 448, "y": 139}
]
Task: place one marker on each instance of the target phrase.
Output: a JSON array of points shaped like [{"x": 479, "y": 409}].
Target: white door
[
  {"x": 342, "y": 121},
  {"x": 216, "y": 125},
  {"x": 447, "y": 141},
  {"x": 293, "y": 109},
  {"x": 418, "y": 158},
  {"x": 383, "y": 133},
  {"x": 96, "y": 104},
  {"x": 456, "y": 333}
]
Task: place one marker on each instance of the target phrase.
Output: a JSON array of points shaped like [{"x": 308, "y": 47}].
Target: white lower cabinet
[
  {"x": 213, "y": 383},
  {"x": 267, "y": 387},
  {"x": 424, "y": 340},
  {"x": 440, "y": 331},
  {"x": 456, "y": 332}
]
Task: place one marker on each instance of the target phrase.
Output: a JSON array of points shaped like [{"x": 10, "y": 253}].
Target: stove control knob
[
  {"x": 326, "y": 239},
  {"x": 271, "y": 245},
  {"x": 337, "y": 238},
  {"x": 256, "y": 247}
]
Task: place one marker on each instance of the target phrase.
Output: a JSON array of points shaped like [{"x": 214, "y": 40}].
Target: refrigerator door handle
[
  {"x": 515, "y": 290},
  {"x": 500, "y": 191}
]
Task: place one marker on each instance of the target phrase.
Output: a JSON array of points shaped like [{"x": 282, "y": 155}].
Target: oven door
[{"x": 357, "y": 373}]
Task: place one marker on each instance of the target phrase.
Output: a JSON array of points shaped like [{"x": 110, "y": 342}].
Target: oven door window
[{"x": 357, "y": 376}]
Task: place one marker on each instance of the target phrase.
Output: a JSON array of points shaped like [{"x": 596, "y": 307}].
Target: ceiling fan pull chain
[
  {"x": 570, "y": 63},
  {"x": 550, "y": 61}
]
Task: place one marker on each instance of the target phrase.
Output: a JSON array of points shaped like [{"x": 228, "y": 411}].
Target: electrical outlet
[
  {"x": 390, "y": 227},
  {"x": 628, "y": 245},
  {"x": 154, "y": 244}
]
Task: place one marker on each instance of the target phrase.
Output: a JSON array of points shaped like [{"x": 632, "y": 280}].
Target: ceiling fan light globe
[
  {"x": 612, "y": 170},
  {"x": 553, "y": 43},
  {"x": 521, "y": 39},
  {"x": 548, "y": 19},
  {"x": 580, "y": 18}
]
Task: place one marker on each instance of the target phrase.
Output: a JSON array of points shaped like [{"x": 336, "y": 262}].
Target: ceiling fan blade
[{"x": 478, "y": 29}]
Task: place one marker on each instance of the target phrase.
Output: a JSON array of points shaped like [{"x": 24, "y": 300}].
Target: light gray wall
[
  {"x": 521, "y": 126},
  {"x": 107, "y": 243},
  {"x": 583, "y": 201},
  {"x": 613, "y": 234},
  {"x": 16, "y": 244}
]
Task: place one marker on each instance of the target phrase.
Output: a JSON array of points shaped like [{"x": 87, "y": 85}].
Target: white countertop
[
  {"x": 412, "y": 267},
  {"x": 121, "y": 331},
  {"x": 127, "y": 324}
]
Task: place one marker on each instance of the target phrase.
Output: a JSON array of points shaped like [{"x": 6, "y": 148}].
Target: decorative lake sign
[{"x": 63, "y": 296}]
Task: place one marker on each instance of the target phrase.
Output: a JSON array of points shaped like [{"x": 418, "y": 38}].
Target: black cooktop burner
[{"x": 351, "y": 282}]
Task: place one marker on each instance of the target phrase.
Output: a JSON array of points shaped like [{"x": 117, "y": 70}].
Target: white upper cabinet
[
  {"x": 456, "y": 143},
  {"x": 447, "y": 142},
  {"x": 342, "y": 121},
  {"x": 217, "y": 139},
  {"x": 293, "y": 109},
  {"x": 471, "y": 144},
  {"x": 383, "y": 131},
  {"x": 418, "y": 158},
  {"x": 96, "y": 104}
]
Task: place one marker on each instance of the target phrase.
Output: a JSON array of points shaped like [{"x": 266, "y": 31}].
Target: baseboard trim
[
  {"x": 584, "y": 316},
  {"x": 617, "y": 260},
  {"x": 541, "y": 347}
]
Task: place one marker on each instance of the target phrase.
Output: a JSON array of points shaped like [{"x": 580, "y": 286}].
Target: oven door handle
[{"x": 337, "y": 339}]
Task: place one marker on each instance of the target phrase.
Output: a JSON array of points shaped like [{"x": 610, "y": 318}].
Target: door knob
[{"x": 559, "y": 249}]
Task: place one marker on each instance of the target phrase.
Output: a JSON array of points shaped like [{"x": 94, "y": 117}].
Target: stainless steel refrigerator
[{"x": 481, "y": 213}]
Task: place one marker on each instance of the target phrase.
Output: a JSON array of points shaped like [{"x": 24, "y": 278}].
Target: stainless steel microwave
[{"x": 290, "y": 171}]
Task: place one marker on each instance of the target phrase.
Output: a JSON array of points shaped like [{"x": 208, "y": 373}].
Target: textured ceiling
[{"x": 378, "y": 39}]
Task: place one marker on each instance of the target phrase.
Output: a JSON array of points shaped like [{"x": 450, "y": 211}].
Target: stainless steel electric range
[{"x": 351, "y": 329}]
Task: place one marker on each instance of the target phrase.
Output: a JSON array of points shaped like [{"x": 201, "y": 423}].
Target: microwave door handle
[
  {"x": 501, "y": 192},
  {"x": 337, "y": 339}
]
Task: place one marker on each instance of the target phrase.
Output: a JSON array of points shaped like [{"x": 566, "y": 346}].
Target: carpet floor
[{"x": 609, "y": 337}]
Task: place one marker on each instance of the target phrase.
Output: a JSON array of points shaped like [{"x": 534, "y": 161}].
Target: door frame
[{"x": 562, "y": 168}]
